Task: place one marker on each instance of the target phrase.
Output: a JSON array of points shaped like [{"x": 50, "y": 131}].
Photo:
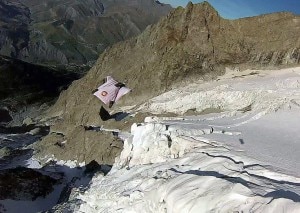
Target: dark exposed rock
[
  {"x": 24, "y": 184},
  {"x": 18, "y": 77},
  {"x": 66, "y": 192},
  {"x": 43, "y": 130},
  {"x": 4, "y": 115},
  {"x": 92, "y": 167},
  {"x": 25, "y": 87}
]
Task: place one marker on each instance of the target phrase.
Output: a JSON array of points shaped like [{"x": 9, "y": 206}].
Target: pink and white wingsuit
[{"x": 108, "y": 92}]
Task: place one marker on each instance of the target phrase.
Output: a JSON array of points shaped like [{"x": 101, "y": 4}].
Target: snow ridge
[{"x": 263, "y": 92}]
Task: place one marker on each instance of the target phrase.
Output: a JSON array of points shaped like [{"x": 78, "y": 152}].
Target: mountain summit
[{"x": 195, "y": 42}]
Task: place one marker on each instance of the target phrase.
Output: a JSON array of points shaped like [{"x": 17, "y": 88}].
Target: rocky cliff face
[
  {"x": 24, "y": 85},
  {"x": 14, "y": 27},
  {"x": 190, "y": 43},
  {"x": 71, "y": 32}
]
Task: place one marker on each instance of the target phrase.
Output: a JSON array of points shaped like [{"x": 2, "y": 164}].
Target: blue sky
[{"x": 233, "y": 9}]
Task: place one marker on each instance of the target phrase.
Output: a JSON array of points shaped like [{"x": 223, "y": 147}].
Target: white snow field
[{"x": 245, "y": 158}]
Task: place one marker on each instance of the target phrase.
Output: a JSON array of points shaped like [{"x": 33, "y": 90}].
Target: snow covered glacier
[{"x": 244, "y": 157}]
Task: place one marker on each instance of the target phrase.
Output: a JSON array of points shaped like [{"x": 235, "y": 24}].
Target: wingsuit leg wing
[{"x": 104, "y": 114}]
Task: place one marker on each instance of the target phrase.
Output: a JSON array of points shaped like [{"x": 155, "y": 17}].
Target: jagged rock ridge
[{"x": 190, "y": 43}]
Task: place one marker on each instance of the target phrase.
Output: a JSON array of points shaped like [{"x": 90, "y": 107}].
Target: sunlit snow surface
[{"x": 245, "y": 159}]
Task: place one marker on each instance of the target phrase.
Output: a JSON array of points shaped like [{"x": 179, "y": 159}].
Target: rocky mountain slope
[
  {"x": 14, "y": 27},
  {"x": 190, "y": 43},
  {"x": 25, "y": 85},
  {"x": 71, "y": 31}
]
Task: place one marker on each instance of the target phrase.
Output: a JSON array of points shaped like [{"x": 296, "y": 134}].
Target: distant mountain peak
[{"x": 74, "y": 31}]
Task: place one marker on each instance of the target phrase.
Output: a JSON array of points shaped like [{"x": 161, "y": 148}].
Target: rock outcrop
[
  {"x": 25, "y": 184},
  {"x": 71, "y": 32},
  {"x": 190, "y": 43}
]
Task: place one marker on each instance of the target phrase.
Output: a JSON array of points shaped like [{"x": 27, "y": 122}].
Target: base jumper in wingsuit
[{"x": 109, "y": 93}]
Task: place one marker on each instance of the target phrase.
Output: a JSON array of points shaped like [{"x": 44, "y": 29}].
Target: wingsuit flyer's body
[{"x": 110, "y": 92}]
